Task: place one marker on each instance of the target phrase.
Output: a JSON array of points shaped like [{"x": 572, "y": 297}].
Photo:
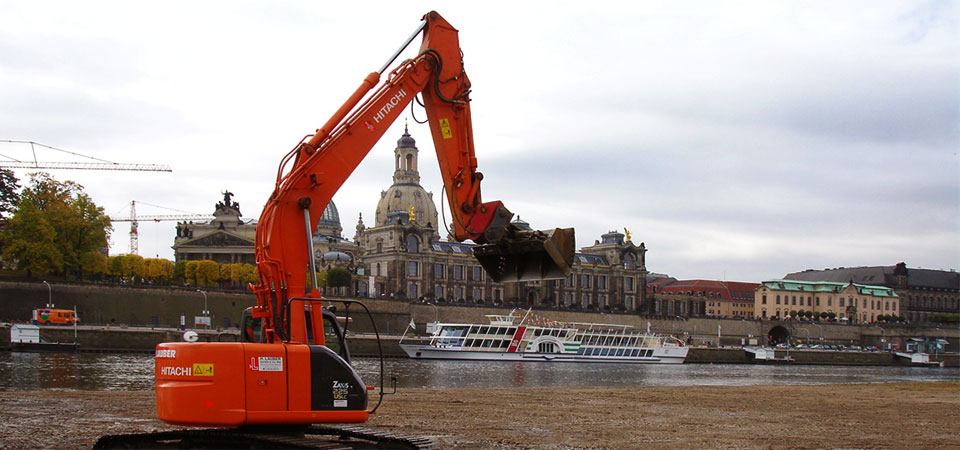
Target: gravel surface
[{"x": 901, "y": 415}]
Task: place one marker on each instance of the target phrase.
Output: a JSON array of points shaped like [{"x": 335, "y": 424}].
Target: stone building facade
[
  {"x": 850, "y": 302},
  {"x": 404, "y": 257},
  {"x": 924, "y": 293},
  {"x": 710, "y": 298},
  {"x": 226, "y": 239}
]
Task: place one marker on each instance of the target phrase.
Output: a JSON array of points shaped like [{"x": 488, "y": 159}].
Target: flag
[{"x": 412, "y": 325}]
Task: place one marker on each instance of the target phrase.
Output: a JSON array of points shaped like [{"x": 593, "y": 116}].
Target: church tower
[{"x": 406, "y": 201}]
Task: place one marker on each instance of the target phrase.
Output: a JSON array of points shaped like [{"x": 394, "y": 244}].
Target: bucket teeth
[{"x": 528, "y": 255}]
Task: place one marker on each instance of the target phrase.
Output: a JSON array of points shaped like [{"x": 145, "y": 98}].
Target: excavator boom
[
  {"x": 285, "y": 372},
  {"x": 321, "y": 163}
]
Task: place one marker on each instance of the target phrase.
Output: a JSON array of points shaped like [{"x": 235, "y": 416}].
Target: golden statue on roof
[
  {"x": 626, "y": 232},
  {"x": 413, "y": 217}
]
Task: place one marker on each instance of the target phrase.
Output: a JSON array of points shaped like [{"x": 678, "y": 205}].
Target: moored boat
[{"x": 512, "y": 338}]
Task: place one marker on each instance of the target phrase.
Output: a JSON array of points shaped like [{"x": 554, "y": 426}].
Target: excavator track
[{"x": 315, "y": 437}]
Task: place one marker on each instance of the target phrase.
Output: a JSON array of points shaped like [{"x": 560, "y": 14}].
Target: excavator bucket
[{"x": 529, "y": 255}]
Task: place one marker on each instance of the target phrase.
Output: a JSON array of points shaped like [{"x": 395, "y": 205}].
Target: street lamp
[
  {"x": 820, "y": 329},
  {"x": 205, "y": 311},
  {"x": 436, "y": 313},
  {"x": 49, "y": 295},
  {"x": 883, "y": 337}
]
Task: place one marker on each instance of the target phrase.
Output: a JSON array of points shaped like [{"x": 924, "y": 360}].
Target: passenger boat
[{"x": 512, "y": 338}]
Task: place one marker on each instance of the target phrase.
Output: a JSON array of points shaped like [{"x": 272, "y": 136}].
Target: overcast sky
[{"x": 738, "y": 140}]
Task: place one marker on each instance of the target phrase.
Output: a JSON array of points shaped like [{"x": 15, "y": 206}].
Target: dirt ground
[{"x": 907, "y": 416}]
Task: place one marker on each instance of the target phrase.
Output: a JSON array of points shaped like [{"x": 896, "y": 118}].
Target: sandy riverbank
[{"x": 908, "y": 416}]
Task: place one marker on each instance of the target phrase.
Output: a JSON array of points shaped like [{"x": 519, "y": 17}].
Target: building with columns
[
  {"x": 226, "y": 239},
  {"x": 404, "y": 257}
]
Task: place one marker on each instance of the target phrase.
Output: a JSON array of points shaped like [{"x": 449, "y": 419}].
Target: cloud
[{"x": 747, "y": 138}]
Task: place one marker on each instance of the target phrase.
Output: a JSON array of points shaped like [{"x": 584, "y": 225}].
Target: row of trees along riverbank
[{"x": 53, "y": 228}]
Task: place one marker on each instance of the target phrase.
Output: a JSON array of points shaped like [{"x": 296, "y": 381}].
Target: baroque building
[
  {"x": 404, "y": 257},
  {"x": 229, "y": 239},
  {"x": 226, "y": 239},
  {"x": 924, "y": 293},
  {"x": 848, "y": 302},
  {"x": 712, "y": 298}
]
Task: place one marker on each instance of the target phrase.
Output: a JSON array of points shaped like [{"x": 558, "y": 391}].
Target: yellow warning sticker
[
  {"x": 202, "y": 370},
  {"x": 445, "y": 129}
]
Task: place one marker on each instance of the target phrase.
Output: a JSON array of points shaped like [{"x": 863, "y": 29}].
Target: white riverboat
[{"x": 512, "y": 338}]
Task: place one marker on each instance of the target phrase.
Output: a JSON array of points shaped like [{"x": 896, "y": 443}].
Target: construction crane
[
  {"x": 100, "y": 164},
  {"x": 135, "y": 224}
]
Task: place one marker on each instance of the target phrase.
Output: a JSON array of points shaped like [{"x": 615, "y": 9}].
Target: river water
[{"x": 91, "y": 371}]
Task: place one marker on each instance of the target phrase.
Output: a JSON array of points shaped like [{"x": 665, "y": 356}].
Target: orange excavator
[{"x": 291, "y": 371}]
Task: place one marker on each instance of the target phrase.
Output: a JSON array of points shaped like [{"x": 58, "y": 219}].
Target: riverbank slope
[{"x": 895, "y": 415}]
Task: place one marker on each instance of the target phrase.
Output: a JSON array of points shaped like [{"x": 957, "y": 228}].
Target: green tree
[
  {"x": 248, "y": 274},
  {"x": 339, "y": 277},
  {"x": 115, "y": 266},
  {"x": 80, "y": 225},
  {"x": 93, "y": 263},
  {"x": 158, "y": 270},
  {"x": 208, "y": 273},
  {"x": 28, "y": 242},
  {"x": 9, "y": 198},
  {"x": 179, "y": 272},
  {"x": 190, "y": 272},
  {"x": 134, "y": 267}
]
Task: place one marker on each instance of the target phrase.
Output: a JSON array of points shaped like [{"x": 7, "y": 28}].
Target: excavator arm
[
  {"x": 321, "y": 163},
  {"x": 284, "y": 373}
]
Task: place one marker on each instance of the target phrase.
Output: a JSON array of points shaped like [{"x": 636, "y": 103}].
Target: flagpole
[{"x": 409, "y": 325}]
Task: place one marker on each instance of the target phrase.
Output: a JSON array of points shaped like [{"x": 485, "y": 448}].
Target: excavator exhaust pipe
[{"x": 528, "y": 255}]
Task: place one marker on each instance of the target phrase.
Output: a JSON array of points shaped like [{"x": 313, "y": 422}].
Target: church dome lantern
[{"x": 406, "y": 200}]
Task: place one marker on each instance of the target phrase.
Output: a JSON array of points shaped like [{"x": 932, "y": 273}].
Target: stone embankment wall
[
  {"x": 161, "y": 308},
  {"x": 135, "y": 339}
]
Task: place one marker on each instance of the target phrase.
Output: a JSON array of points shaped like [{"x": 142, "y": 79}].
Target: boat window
[
  {"x": 621, "y": 352},
  {"x": 487, "y": 343},
  {"x": 484, "y": 330},
  {"x": 581, "y": 351}
]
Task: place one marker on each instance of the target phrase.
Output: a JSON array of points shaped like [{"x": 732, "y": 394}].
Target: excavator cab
[
  {"x": 251, "y": 331},
  {"x": 251, "y": 328}
]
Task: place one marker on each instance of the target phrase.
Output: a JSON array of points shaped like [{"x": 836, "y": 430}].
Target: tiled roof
[
  {"x": 457, "y": 248},
  {"x": 827, "y": 286},
  {"x": 586, "y": 258},
  {"x": 882, "y": 275}
]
